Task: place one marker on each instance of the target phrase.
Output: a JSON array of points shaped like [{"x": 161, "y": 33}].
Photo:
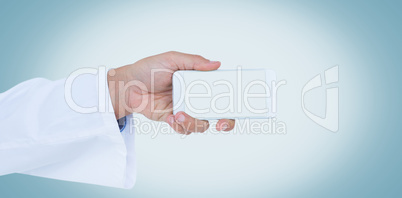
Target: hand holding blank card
[{"x": 231, "y": 94}]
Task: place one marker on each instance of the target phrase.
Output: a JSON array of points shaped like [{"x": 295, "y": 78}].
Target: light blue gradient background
[{"x": 297, "y": 39}]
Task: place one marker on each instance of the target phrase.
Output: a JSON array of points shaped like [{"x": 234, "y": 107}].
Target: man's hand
[{"x": 146, "y": 87}]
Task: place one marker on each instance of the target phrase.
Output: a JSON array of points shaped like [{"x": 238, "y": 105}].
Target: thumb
[{"x": 182, "y": 61}]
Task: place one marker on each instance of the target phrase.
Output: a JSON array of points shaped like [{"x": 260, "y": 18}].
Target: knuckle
[
  {"x": 171, "y": 53},
  {"x": 181, "y": 131},
  {"x": 178, "y": 129},
  {"x": 196, "y": 56}
]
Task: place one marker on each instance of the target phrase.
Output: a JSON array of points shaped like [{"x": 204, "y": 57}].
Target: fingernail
[
  {"x": 171, "y": 119},
  {"x": 180, "y": 118},
  {"x": 212, "y": 62},
  {"x": 224, "y": 126}
]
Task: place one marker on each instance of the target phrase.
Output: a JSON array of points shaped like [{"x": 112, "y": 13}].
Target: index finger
[
  {"x": 191, "y": 124},
  {"x": 225, "y": 125}
]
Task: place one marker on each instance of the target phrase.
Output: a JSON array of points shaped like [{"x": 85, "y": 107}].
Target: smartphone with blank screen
[{"x": 230, "y": 94}]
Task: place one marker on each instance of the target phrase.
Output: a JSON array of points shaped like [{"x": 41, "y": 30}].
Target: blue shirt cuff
[{"x": 122, "y": 123}]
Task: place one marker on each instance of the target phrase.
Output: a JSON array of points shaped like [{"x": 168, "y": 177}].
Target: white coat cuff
[{"x": 84, "y": 147}]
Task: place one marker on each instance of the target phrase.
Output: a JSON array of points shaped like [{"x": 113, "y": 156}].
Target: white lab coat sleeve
[{"x": 41, "y": 135}]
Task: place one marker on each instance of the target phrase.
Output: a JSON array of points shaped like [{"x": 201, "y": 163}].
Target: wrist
[
  {"x": 115, "y": 78},
  {"x": 126, "y": 91}
]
